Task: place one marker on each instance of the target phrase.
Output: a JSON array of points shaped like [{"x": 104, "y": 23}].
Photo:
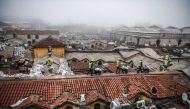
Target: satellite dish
[{"x": 184, "y": 97}]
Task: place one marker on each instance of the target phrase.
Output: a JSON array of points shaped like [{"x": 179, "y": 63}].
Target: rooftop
[
  {"x": 108, "y": 87},
  {"x": 105, "y": 56},
  {"x": 33, "y": 32},
  {"x": 50, "y": 41}
]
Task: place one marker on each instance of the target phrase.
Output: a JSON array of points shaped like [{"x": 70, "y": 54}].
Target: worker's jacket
[
  {"x": 118, "y": 63},
  {"x": 49, "y": 63},
  {"x": 165, "y": 62}
]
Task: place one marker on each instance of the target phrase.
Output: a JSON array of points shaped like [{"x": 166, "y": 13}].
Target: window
[
  {"x": 33, "y": 41},
  {"x": 69, "y": 107},
  {"x": 97, "y": 106},
  {"x": 28, "y": 36},
  {"x": 92, "y": 46},
  {"x": 14, "y": 36},
  {"x": 37, "y": 36},
  {"x": 29, "y": 42}
]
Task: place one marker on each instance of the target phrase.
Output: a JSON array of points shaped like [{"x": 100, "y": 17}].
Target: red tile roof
[
  {"x": 79, "y": 66},
  {"x": 112, "y": 67},
  {"x": 66, "y": 96},
  {"x": 35, "y": 100},
  {"x": 93, "y": 95},
  {"x": 111, "y": 87}
]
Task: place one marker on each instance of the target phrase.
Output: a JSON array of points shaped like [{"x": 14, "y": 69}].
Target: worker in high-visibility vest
[
  {"x": 167, "y": 57},
  {"x": 165, "y": 64},
  {"x": 166, "y": 61},
  {"x": 140, "y": 67},
  {"x": 118, "y": 65},
  {"x": 49, "y": 62},
  {"x": 49, "y": 51},
  {"x": 91, "y": 67}
]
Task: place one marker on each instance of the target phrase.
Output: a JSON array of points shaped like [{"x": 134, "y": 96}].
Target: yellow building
[{"x": 41, "y": 47}]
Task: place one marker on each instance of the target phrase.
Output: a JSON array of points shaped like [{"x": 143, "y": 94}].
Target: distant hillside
[{"x": 3, "y": 24}]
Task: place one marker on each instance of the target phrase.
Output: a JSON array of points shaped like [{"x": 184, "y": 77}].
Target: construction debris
[
  {"x": 64, "y": 69},
  {"x": 19, "y": 52}
]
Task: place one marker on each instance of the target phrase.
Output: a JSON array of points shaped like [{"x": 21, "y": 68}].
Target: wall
[
  {"x": 91, "y": 106},
  {"x": 64, "y": 107},
  {"x": 40, "y": 52}
]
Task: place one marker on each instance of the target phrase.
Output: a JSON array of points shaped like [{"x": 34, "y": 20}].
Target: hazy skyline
[{"x": 100, "y": 12}]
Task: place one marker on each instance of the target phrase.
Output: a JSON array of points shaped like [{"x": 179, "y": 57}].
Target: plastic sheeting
[{"x": 64, "y": 69}]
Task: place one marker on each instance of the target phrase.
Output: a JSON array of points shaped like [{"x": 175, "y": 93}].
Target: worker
[
  {"x": 166, "y": 61},
  {"x": 125, "y": 69},
  {"x": 49, "y": 62},
  {"x": 167, "y": 57},
  {"x": 91, "y": 67},
  {"x": 131, "y": 64},
  {"x": 118, "y": 64},
  {"x": 179, "y": 54},
  {"x": 49, "y": 51},
  {"x": 161, "y": 67},
  {"x": 140, "y": 68},
  {"x": 165, "y": 64},
  {"x": 146, "y": 69}
]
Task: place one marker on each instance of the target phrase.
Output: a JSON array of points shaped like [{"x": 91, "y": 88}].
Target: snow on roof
[
  {"x": 186, "y": 30},
  {"x": 151, "y": 29},
  {"x": 171, "y": 30},
  {"x": 150, "y": 52},
  {"x": 108, "y": 57},
  {"x": 127, "y": 54}
]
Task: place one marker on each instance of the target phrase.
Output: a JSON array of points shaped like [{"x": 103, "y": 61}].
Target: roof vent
[
  {"x": 154, "y": 90},
  {"x": 82, "y": 97}
]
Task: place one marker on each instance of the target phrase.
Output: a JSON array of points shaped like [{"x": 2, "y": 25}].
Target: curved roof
[
  {"x": 171, "y": 29},
  {"x": 154, "y": 29},
  {"x": 186, "y": 30},
  {"x": 141, "y": 29}
]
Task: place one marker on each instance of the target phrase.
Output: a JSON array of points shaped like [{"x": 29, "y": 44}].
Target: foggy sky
[{"x": 100, "y": 12}]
